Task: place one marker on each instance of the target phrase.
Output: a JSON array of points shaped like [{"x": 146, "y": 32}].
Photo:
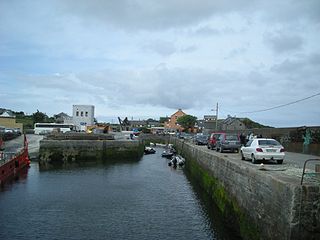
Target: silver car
[{"x": 260, "y": 149}]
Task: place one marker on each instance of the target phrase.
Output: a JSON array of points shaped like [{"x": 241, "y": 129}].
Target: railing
[
  {"x": 315, "y": 173},
  {"x": 7, "y": 156}
]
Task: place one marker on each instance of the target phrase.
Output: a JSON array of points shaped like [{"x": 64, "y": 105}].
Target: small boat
[
  {"x": 177, "y": 161},
  {"x": 167, "y": 154},
  {"x": 149, "y": 150},
  {"x": 161, "y": 145},
  {"x": 180, "y": 160},
  {"x": 11, "y": 164}
]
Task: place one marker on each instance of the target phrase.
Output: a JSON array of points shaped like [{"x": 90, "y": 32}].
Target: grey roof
[{"x": 9, "y": 112}]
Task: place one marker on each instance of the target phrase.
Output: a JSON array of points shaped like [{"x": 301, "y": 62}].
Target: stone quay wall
[
  {"x": 53, "y": 152},
  {"x": 258, "y": 204}
]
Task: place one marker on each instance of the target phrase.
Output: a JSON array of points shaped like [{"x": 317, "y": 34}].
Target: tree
[
  {"x": 39, "y": 117},
  {"x": 251, "y": 124},
  {"x": 163, "y": 119},
  {"x": 187, "y": 121},
  {"x": 19, "y": 114}
]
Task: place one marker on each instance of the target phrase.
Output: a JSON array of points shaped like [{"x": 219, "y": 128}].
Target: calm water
[{"x": 139, "y": 200}]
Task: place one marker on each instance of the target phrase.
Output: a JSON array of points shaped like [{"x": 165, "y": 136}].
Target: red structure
[{"x": 12, "y": 164}]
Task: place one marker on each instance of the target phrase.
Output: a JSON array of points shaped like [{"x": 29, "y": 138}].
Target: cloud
[
  {"x": 282, "y": 42},
  {"x": 152, "y": 14},
  {"x": 305, "y": 66},
  {"x": 290, "y": 11},
  {"x": 236, "y": 52},
  {"x": 164, "y": 48},
  {"x": 136, "y": 56},
  {"x": 298, "y": 76},
  {"x": 210, "y": 31}
]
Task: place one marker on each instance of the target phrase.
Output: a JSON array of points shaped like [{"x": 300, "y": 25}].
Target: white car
[{"x": 260, "y": 149}]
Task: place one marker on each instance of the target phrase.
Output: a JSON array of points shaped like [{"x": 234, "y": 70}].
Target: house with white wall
[{"x": 83, "y": 116}]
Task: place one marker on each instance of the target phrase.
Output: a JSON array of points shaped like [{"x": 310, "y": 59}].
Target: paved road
[
  {"x": 16, "y": 144},
  {"x": 292, "y": 164},
  {"x": 291, "y": 159}
]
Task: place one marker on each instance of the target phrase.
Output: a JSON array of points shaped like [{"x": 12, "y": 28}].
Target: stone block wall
[
  {"x": 259, "y": 204},
  {"x": 72, "y": 151}
]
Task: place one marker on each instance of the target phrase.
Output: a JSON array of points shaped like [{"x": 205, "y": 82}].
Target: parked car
[
  {"x": 1, "y": 144},
  {"x": 212, "y": 141},
  {"x": 228, "y": 141},
  {"x": 201, "y": 139},
  {"x": 260, "y": 149}
]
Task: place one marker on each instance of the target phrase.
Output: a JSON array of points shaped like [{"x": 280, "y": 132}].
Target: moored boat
[
  {"x": 167, "y": 154},
  {"x": 177, "y": 161},
  {"x": 11, "y": 164},
  {"x": 149, "y": 150}
]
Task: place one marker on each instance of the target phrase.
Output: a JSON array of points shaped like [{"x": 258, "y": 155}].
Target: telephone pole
[{"x": 217, "y": 116}]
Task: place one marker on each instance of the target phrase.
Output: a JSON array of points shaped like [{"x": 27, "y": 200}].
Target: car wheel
[
  {"x": 279, "y": 161},
  {"x": 208, "y": 146},
  {"x": 253, "y": 159},
  {"x": 242, "y": 157}
]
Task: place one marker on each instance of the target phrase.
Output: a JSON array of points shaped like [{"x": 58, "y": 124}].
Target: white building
[{"x": 83, "y": 116}]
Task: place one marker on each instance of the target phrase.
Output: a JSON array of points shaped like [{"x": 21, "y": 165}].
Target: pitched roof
[{"x": 7, "y": 113}]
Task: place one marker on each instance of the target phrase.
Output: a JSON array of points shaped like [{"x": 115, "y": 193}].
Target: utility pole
[{"x": 217, "y": 116}]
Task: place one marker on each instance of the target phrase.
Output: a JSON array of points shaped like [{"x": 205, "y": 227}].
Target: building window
[
  {"x": 86, "y": 114},
  {"x": 81, "y": 114},
  {"x": 77, "y": 113}
]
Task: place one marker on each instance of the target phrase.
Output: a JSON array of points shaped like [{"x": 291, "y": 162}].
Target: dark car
[
  {"x": 228, "y": 141},
  {"x": 201, "y": 140},
  {"x": 212, "y": 141},
  {"x": 1, "y": 144}
]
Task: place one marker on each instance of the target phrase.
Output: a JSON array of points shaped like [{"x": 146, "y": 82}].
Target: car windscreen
[
  {"x": 268, "y": 142},
  {"x": 231, "y": 137}
]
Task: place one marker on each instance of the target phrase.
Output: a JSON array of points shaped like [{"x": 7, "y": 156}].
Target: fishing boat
[{"x": 12, "y": 163}]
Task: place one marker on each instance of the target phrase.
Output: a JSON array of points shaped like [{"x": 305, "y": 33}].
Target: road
[
  {"x": 16, "y": 144},
  {"x": 291, "y": 159},
  {"x": 292, "y": 164}
]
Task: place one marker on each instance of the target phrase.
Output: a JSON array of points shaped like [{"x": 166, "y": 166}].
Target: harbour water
[{"x": 144, "y": 199}]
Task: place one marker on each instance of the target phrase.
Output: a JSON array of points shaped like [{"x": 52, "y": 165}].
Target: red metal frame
[{"x": 11, "y": 167}]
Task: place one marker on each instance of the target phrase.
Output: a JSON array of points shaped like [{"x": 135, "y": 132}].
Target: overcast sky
[{"x": 147, "y": 58}]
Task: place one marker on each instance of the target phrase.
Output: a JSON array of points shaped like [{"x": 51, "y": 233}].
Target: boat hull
[{"x": 13, "y": 166}]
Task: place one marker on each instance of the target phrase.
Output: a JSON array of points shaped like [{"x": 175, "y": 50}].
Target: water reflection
[
  {"x": 221, "y": 229},
  {"x": 143, "y": 199}
]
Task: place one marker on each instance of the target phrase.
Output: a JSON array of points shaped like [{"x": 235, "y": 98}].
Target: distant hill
[{"x": 252, "y": 124}]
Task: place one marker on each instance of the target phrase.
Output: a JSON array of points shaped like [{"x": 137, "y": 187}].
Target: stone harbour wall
[
  {"x": 258, "y": 204},
  {"x": 53, "y": 152}
]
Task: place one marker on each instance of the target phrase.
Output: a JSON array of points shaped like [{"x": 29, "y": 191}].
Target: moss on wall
[
  {"x": 64, "y": 152},
  {"x": 231, "y": 211}
]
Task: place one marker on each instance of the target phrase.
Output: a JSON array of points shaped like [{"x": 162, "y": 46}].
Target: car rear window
[
  {"x": 268, "y": 142},
  {"x": 202, "y": 137},
  {"x": 232, "y": 137}
]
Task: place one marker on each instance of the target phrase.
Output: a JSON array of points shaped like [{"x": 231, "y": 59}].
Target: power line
[{"x": 282, "y": 105}]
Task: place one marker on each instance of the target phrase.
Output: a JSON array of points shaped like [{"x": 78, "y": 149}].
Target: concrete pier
[
  {"x": 260, "y": 204},
  {"x": 59, "y": 150}
]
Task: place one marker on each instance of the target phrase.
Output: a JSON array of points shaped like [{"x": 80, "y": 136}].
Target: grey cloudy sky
[{"x": 147, "y": 58}]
